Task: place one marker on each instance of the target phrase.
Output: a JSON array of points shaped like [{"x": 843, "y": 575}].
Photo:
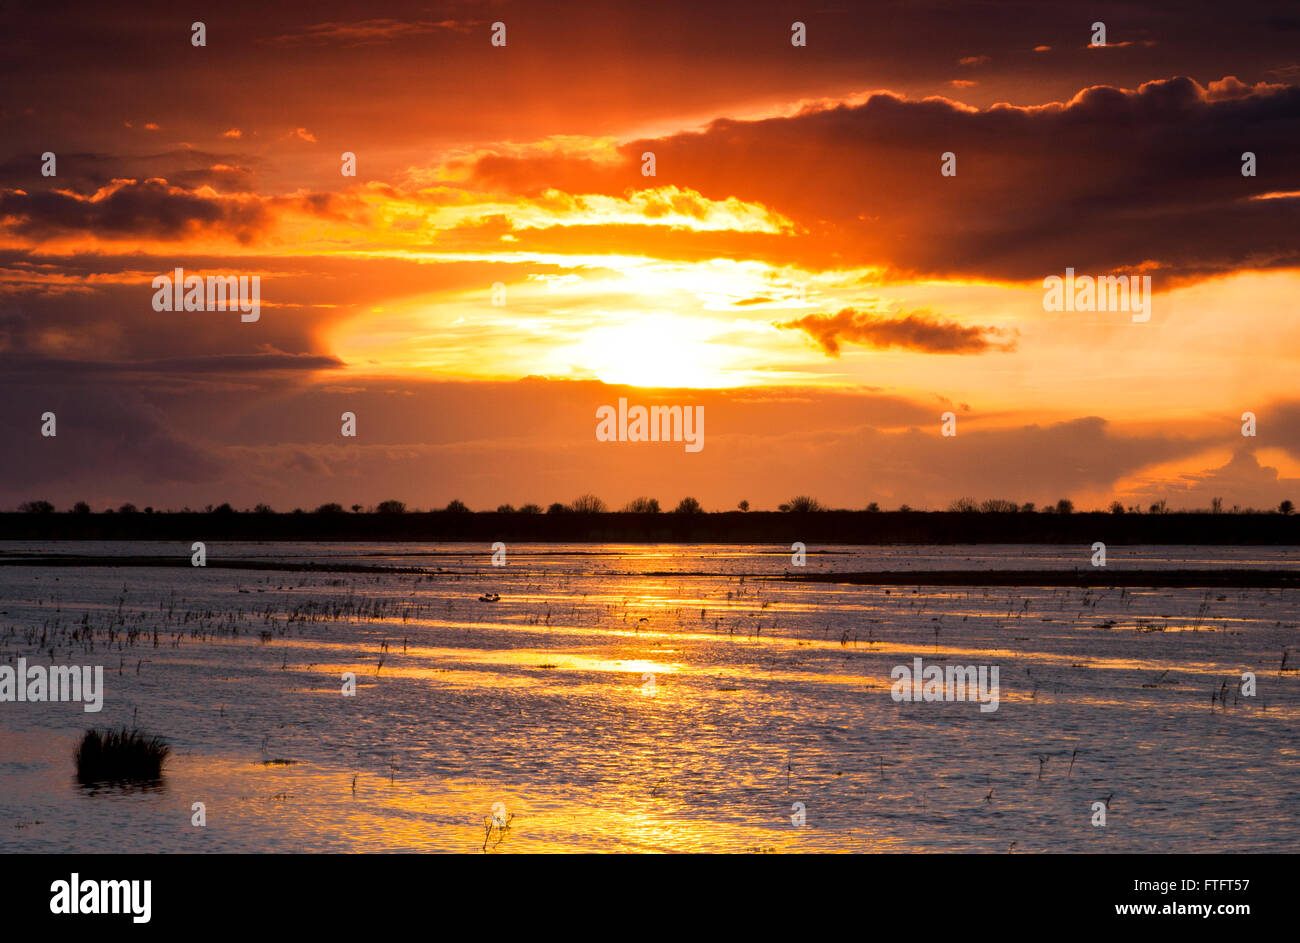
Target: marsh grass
[
  {"x": 495, "y": 823},
  {"x": 123, "y": 755}
]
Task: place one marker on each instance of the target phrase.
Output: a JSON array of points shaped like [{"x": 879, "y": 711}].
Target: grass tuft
[{"x": 123, "y": 755}]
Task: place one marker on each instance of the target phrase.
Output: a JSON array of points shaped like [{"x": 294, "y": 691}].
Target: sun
[{"x": 655, "y": 351}]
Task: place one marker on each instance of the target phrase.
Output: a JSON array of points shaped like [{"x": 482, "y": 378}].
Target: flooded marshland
[{"x": 661, "y": 698}]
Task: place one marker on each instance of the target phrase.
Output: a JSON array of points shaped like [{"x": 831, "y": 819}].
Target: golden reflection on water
[
  {"x": 307, "y": 806},
  {"x": 397, "y": 664}
]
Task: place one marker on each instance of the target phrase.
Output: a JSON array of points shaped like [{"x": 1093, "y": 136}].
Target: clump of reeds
[{"x": 123, "y": 755}]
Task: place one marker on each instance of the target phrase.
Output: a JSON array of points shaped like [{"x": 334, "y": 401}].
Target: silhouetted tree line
[
  {"x": 587, "y": 518},
  {"x": 591, "y": 504}
]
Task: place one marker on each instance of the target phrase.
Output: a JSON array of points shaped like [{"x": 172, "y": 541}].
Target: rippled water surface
[{"x": 659, "y": 698}]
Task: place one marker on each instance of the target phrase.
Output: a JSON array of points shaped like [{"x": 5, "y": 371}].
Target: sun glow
[{"x": 657, "y": 351}]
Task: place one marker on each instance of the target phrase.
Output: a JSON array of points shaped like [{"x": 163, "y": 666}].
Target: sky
[{"x": 840, "y": 243}]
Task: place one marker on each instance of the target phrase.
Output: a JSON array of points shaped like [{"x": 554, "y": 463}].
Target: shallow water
[{"x": 600, "y": 708}]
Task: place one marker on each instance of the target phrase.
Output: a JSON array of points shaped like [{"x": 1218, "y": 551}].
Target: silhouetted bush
[{"x": 804, "y": 504}]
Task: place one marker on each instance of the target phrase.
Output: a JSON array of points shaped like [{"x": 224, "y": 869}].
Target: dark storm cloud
[
  {"x": 260, "y": 363},
  {"x": 74, "y": 72},
  {"x": 1278, "y": 425},
  {"x": 133, "y": 209},
  {"x": 426, "y": 443},
  {"x": 1108, "y": 181},
  {"x": 84, "y": 173},
  {"x": 103, "y": 434},
  {"x": 1240, "y": 483}
]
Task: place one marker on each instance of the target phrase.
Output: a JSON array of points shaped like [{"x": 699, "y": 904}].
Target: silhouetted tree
[
  {"x": 999, "y": 506},
  {"x": 506, "y": 509},
  {"x": 1065, "y": 506},
  {"x": 1116, "y": 507},
  {"x": 531, "y": 509},
  {"x": 130, "y": 508},
  {"x": 873, "y": 507},
  {"x": 457, "y": 506},
  {"x": 963, "y": 506},
  {"x": 1286, "y": 507},
  {"x": 642, "y": 506},
  {"x": 266, "y": 509},
  {"x": 688, "y": 506},
  {"x": 81, "y": 507},
  {"x": 36, "y": 507},
  {"x": 557, "y": 508},
  {"x": 743, "y": 505},
  {"x": 330, "y": 509},
  {"x": 587, "y": 504},
  {"x": 391, "y": 507}
]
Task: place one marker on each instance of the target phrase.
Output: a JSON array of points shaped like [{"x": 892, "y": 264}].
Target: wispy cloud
[
  {"x": 919, "y": 330},
  {"x": 369, "y": 32}
]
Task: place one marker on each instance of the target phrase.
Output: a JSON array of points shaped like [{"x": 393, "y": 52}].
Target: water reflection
[{"x": 123, "y": 787}]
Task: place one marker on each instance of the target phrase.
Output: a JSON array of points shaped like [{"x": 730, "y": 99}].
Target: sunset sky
[{"x": 798, "y": 265}]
